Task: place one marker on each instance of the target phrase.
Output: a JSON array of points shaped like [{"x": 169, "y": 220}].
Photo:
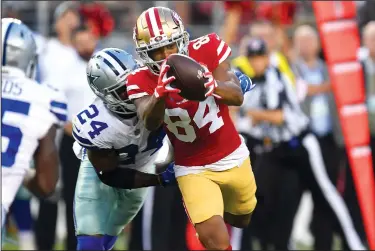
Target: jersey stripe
[
  {"x": 132, "y": 87},
  {"x": 158, "y": 22},
  {"x": 5, "y": 34},
  {"x": 149, "y": 25},
  {"x": 59, "y": 109},
  {"x": 220, "y": 48},
  {"x": 82, "y": 141},
  {"x": 59, "y": 105},
  {"x": 225, "y": 55},
  {"x": 59, "y": 116},
  {"x": 138, "y": 95},
  {"x": 75, "y": 128},
  {"x": 93, "y": 147}
]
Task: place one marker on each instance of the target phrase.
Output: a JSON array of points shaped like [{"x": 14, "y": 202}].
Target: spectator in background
[
  {"x": 59, "y": 53},
  {"x": 273, "y": 37},
  {"x": 183, "y": 9},
  {"x": 66, "y": 19},
  {"x": 369, "y": 72},
  {"x": 319, "y": 106},
  {"x": 368, "y": 65},
  {"x": 235, "y": 11},
  {"x": 266, "y": 31},
  {"x": 278, "y": 12},
  {"x": 98, "y": 19},
  {"x": 365, "y": 13}
]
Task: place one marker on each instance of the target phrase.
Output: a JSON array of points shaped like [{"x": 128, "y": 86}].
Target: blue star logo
[{"x": 92, "y": 78}]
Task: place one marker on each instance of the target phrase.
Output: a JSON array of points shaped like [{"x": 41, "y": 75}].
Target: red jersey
[{"x": 201, "y": 133}]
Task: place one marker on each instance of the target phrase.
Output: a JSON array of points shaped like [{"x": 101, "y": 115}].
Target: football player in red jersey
[{"x": 212, "y": 164}]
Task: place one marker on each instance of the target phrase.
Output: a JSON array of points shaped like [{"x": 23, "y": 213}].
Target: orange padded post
[
  {"x": 333, "y": 10},
  {"x": 361, "y": 164},
  {"x": 347, "y": 83},
  {"x": 355, "y": 125},
  {"x": 340, "y": 42}
]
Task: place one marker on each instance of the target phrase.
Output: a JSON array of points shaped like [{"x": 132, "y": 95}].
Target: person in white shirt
[{"x": 58, "y": 68}]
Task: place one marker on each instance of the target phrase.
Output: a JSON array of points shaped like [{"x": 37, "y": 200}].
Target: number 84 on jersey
[{"x": 182, "y": 125}]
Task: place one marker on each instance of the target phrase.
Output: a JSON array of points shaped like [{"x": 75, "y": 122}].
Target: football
[{"x": 189, "y": 77}]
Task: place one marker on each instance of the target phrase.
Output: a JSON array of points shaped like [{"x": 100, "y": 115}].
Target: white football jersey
[
  {"x": 28, "y": 110},
  {"x": 96, "y": 127}
]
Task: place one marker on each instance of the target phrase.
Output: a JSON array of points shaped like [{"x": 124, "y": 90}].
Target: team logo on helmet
[
  {"x": 92, "y": 78},
  {"x": 158, "y": 38}
]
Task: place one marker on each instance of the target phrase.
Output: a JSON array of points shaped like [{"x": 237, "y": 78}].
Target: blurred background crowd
[{"x": 69, "y": 32}]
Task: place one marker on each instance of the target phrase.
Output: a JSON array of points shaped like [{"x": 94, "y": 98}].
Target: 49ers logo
[{"x": 158, "y": 38}]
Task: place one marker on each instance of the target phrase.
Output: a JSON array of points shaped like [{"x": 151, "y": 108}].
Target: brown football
[{"x": 189, "y": 76}]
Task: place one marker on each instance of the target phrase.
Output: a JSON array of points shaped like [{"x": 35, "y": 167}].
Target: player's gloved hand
[
  {"x": 164, "y": 87},
  {"x": 167, "y": 177},
  {"x": 245, "y": 81},
  {"x": 210, "y": 84}
]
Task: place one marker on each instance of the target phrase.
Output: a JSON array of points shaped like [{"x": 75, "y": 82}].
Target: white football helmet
[{"x": 155, "y": 28}]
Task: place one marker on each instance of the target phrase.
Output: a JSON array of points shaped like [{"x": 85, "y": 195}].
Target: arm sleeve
[
  {"x": 58, "y": 107},
  {"x": 137, "y": 85},
  {"x": 221, "y": 51},
  {"x": 210, "y": 50}
]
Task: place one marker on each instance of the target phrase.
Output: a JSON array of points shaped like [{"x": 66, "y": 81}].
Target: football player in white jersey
[
  {"x": 30, "y": 113},
  {"x": 117, "y": 153}
]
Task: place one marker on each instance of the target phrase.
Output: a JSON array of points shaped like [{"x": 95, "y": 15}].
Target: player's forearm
[
  {"x": 41, "y": 187},
  {"x": 230, "y": 93},
  {"x": 152, "y": 113},
  {"x": 106, "y": 164},
  {"x": 103, "y": 160},
  {"x": 68, "y": 128},
  {"x": 272, "y": 116},
  {"x": 126, "y": 178}
]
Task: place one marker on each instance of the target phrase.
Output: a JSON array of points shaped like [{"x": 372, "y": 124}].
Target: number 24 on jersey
[{"x": 96, "y": 126}]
